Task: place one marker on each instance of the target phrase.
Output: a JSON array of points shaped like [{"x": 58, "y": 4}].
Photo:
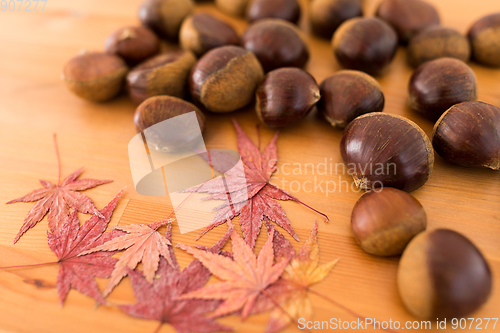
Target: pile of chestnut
[{"x": 441, "y": 273}]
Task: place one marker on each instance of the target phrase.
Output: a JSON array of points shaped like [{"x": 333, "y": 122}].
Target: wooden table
[{"x": 34, "y": 104}]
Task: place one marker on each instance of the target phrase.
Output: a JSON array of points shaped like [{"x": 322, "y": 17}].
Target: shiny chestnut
[
  {"x": 437, "y": 85},
  {"x": 202, "y": 32},
  {"x": 367, "y": 44},
  {"x": 347, "y": 95},
  {"x": 384, "y": 150},
  {"x": 165, "y": 74},
  {"x": 285, "y": 96},
  {"x": 484, "y": 36},
  {"x": 95, "y": 76},
  {"x": 327, "y": 15},
  {"x": 165, "y": 16},
  {"x": 408, "y": 17},
  {"x": 288, "y": 10},
  {"x": 385, "y": 220},
  {"x": 276, "y": 43},
  {"x": 133, "y": 44},
  {"x": 225, "y": 79},
  {"x": 437, "y": 42},
  {"x": 442, "y": 274},
  {"x": 468, "y": 134}
]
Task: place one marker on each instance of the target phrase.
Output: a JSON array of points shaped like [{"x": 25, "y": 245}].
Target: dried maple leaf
[
  {"x": 56, "y": 200},
  {"x": 245, "y": 278},
  {"x": 252, "y": 198},
  {"x": 291, "y": 291},
  {"x": 70, "y": 240},
  {"x": 142, "y": 243},
  {"x": 159, "y": 300}
]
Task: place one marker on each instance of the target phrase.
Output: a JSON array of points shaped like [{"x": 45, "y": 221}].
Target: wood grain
[{"x": 34, "y": 104}]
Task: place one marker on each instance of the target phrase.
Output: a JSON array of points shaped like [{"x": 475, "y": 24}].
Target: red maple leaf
[
  {"x": 252, "y": 198},
  {"x": 291, "y": 290},
  {"x": 56, "y": 200},
  {"x": 159, "y": 300},
  {"x": 70, "y": 240},
  {"x": 142, "y": 242},
  {"x": 244, "y": 279}
]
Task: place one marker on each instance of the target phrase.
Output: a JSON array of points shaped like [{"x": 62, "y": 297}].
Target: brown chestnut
[
  {"x": 233, "y": 7},
  {"x": 285, "y": 96},
  {"x": 366, "y": 44},
  {"x": 327, "y": 15},
  {"x": 288, "y": 10},
  {"x": 384, "y": 221},
  {"x": 437, "y": 42},
  {"x": 347, "y": 95},
  {"x": 484, "y": 36},
  {"x": 225, "y": 78},
  {"x": 202, "y": 32},
  {"x": 442, "y": 274},
  {"x": 408, "y": 17},
  {"x": 438, "y": 84},
  {"x": 468, "y": 134},
  {"x": 94, "y": 76},
  {"x": 382, "y": 149},
  {"x": 276, "y": 43},
  {"x": 156, "y": 109},
  {"x": 165, "y": 74},
  {"x": 133, "y": 44},
  {"x": 165, "y": 16}
]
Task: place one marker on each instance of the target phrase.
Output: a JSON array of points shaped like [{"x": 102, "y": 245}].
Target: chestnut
[
  {"x": 438, "y": 84},
  {"x": 366, "y": 44},
  {"x": 327, "y": 15},
  {"x": 225, "y": 78},
  {"x": 165, "y": 74},
  {"x": 156, "y": 109},
  {"x": 382, "y": 149},
  {"x": 233, "y": 7},
  {"x": 384, "y": 221},
  {"x": 483, "y": 37},
  {"x": 437, "y": 42},
  {"x": 288, "y": 10},
  {"x": 285, "y": 96},
  {"x": 165, "y": 16},
  {"x": 347, "y": 95},
  {"x": 408, "y": 17},
  {"x": 468, "y": 134},
  {"x": 202, "y": 32},
  {"x": 276, "y": 43},
  {"x": 442, "y": 274},
  {"x": 133, "y": 44},
  {"x": 95, "y": 76}
]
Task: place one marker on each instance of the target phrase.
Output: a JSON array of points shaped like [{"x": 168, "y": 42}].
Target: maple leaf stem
[
  {"x": 34, "y": 265},
  {"x": 343, "y": 307},
  {"x": 300, "y": 202},
  {"x": 292, "y": 319},
  {"x": 58, "y": 161},
  {"x": 158, "y": 327},
  {"x": 183, "y": 201}
]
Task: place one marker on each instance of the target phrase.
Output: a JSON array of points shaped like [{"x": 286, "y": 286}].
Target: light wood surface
[{"x": 34, "y": 104}]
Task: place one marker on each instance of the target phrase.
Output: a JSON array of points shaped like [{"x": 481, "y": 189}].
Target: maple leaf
[
  {"x": 291, "y": 291},
  {"x": 253, "y": 197},
  {"x": 245, "y": 278},
  {"x": 70, "y": 240},
  {"x": 56, "y": 200},
  {"x": 159, "y": 300},
  {"x": 142, "y": 243}
]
